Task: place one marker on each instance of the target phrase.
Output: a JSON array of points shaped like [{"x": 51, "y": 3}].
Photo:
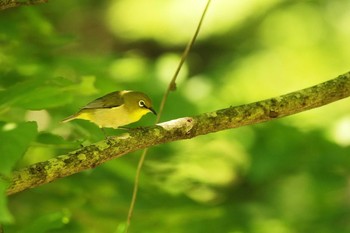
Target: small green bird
[{"x": 115, "y": 109}]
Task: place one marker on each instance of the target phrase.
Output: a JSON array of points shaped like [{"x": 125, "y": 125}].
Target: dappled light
[{"x": 284, "y": 176}]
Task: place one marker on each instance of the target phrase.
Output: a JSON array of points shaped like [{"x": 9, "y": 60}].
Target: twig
[{"x": 171, "y": 87}]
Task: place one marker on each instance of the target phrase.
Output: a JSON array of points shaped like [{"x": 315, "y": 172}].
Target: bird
[{"x": 115, "y": 109}]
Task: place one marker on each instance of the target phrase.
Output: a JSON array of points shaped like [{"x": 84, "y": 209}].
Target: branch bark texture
[
  {"x": 4, "y": 4},
  {"x": 183, "y": 128}
]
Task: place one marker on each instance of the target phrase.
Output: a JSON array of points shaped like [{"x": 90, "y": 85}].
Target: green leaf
[
  {"x": 15, "y": 140},
  {"x": 42, "y": 98},
  {"x": 56, "y": 140},
  {"x": 12, "y": 94},
  {"x": 86, "y": 86},
  {"x": 36, "y": 94},
  {"x": 50, "y": 139},
  {"x": 48, "y": 222},
  {"x": 5, "y": 215}
]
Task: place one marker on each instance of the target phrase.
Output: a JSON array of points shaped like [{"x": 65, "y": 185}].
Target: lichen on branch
[
  {"x": 184, "y": 128},
  {"x": 5, "y": 4}
]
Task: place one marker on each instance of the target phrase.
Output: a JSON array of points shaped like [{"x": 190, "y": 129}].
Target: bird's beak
[{"x": 152, "y": 110}]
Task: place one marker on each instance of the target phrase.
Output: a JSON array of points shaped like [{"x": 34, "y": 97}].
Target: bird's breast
[{"x": 110, "y": 117}]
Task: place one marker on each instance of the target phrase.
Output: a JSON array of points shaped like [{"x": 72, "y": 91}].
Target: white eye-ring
[{"x": 142, "y": 104}]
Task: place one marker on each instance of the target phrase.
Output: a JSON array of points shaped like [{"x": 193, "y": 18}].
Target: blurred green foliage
[{"x": 286, "y": 176}]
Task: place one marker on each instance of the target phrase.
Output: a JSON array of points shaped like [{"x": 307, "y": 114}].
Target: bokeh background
[{"x": 285, "y": 176}]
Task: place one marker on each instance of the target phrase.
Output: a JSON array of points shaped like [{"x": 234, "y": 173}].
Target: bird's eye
[{"x": 142, "y": 104}]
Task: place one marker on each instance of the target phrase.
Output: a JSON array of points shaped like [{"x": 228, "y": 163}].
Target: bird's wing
[{"x": 110, "y": 100}]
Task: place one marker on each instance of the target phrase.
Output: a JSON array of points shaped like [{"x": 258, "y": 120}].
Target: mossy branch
[
  {"x": 184, "y": 128},
  {"x": 5, "y": 4}
]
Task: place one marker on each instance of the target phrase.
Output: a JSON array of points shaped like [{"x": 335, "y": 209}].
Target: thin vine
[{"x": 171, "y": 87}]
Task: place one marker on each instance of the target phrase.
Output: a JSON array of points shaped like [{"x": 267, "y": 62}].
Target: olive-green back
[{"x": 110, "y": 100}]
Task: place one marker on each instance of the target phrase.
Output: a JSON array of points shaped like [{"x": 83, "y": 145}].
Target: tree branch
[
  {"x": 4, "y": 4},
  {"x": 182, "y": 128}
]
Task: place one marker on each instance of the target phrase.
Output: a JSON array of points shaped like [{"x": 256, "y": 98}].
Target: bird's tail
[{"x": 72, "y": 117}]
